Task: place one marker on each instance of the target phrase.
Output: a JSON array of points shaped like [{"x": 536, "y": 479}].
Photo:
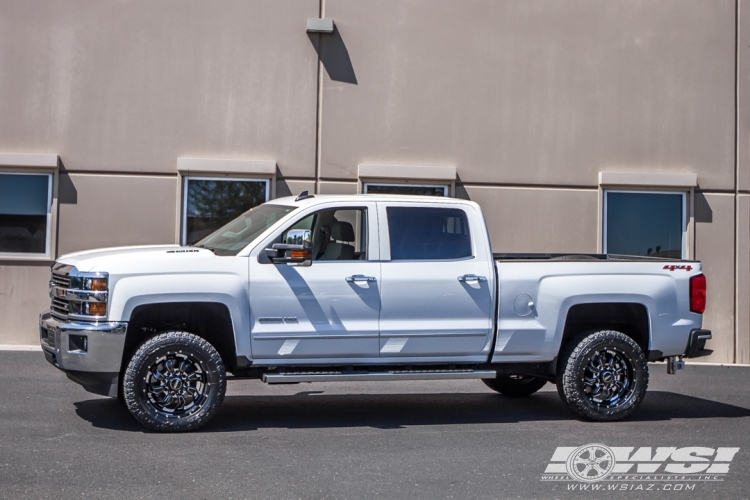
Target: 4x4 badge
[{"x": 672, "y": 268}]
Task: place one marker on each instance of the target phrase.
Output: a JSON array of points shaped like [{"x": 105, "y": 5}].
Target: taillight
[{"x": 698, "y": 294}]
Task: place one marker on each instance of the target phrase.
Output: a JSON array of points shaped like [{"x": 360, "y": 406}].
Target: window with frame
[
  {"x": 426, "y": 233},
  {"x": 336, "y": 234},
  {"x": 412, "y": 189},
  {"x": 210, "y": 203},
  {"x": 25, "y": 213},
  {"x": 647, "y": 223}
]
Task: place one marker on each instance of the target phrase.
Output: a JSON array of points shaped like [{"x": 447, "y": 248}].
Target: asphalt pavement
[{"x": 412, "y": 440}]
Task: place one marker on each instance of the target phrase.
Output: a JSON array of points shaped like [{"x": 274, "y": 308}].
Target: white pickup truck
[{"x": 366, "y": 287}]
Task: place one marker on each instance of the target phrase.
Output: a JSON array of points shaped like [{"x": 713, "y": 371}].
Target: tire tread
[
  {"x": 567, "y": 382},
  {"x": 171, "y": 339}
]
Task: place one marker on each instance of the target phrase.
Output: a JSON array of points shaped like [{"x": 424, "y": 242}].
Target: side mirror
[
  {"x": 295, "y": 249},
  {"x": 299, "y": 237}
]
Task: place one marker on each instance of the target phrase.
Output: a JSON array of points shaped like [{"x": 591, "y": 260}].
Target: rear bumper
[
  {"x": 93, "y": 355},
  {"x": 696, "y": 346}
]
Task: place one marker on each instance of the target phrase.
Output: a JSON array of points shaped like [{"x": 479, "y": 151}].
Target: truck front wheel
[
  {"x": 603, "y": 375},
  {"x": 174, "y": 382},
  {"x": 515, "y": 386}
]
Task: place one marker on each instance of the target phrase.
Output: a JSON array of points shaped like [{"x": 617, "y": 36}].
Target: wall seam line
[
  {"x": 737, "y": 182},
  {"x": 319, "y": 102}
]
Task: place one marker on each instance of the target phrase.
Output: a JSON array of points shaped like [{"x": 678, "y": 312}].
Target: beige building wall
[
  {"x": 118, "y": 210},
  {"x": 120, "y": 90},
  {"x": 715, "y": 248},
  {"x": 529, "y": 101},
  {"x": 532, "y": 220},
  {"x": 131, "y": 86},
  {"x": 532, "y": 93},
  {"x": 743, "y": 184},
  {"x": 24, "y": 293}
]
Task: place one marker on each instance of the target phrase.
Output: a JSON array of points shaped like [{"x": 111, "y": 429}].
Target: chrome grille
[
  {"x": 60, "y": 307},
  {"x": 61, "y": 280},
  {"x": 69, "y": 299}
]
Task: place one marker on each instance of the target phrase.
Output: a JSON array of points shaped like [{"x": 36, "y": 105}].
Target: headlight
[
  {"x": 96, "y": 284},
  {"x": 94, "y": 308},
  {"x": 88, "y": 294}
]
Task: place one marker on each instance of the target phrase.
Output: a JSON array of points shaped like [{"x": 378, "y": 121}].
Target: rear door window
[{"x": 425, "y": 233}]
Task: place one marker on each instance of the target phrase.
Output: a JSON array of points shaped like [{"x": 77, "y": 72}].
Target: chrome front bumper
[{"x": 93, "y": 362}]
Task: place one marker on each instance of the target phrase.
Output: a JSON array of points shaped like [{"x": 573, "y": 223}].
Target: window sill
[
  {"x": 413, "y": 173},
  {"x": 195, "y": 166},
  {"x": 650, "y": 180},
  {"x": 26, "y": 161}
]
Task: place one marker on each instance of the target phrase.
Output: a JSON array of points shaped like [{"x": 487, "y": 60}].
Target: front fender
[{"x": 127, "y": 293}]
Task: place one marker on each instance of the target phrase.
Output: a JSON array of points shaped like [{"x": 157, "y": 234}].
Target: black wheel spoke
[
  {"x": 175, "y": 385},
  {"x": 169, "y": 365},
  {"x": 590, "y": 381},
  {"x": 606, "y": 377},
  {"x": 158, "y": 373}
]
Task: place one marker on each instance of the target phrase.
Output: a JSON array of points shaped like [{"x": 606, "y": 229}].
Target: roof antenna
[{"x": 303, "y": 196}]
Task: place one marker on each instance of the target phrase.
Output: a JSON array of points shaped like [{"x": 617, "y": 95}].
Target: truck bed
[{"x": 583, "y": 257}]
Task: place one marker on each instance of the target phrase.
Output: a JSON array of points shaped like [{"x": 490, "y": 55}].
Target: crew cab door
[
  {"x": 437, "y": 291},
  {"x": 328, "y": 309}
]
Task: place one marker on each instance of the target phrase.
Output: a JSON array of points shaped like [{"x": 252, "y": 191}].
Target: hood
[{"x": 106, "y": 259}]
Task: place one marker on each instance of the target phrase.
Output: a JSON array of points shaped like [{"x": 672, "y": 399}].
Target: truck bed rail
[{"x": 583, "y": 257}]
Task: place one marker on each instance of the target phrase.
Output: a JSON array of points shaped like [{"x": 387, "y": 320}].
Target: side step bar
[{"x": 355, "y": 376}]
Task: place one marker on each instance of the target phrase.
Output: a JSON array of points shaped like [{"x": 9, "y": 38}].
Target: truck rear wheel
[
  {"x": 515, "y": 386},
  {"x": 174, "y": 382},
  {"x": 603, "y": 375}
]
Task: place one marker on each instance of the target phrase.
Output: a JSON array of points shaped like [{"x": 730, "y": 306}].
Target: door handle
[
  {"x": 466, "y": 278},
  {"x": 360, "y": 277}
]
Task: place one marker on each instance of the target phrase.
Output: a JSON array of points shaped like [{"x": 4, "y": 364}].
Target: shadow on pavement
[{"x": 392, "y": 411}]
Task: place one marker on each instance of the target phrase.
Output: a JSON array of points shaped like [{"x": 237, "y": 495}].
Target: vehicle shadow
[{"x": 312, "y": 409}]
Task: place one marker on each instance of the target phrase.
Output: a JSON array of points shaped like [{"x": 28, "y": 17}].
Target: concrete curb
[{"x": 698, "y": 363}]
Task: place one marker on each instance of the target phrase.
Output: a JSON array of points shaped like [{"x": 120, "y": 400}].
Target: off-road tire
[
  {"x": 584, "y": 369},
  {"x": 515, "y": 386},
  {"x": 195, "y": 368}
]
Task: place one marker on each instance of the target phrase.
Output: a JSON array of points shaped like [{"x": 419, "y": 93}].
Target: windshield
[{"x": 233, "y": 237}]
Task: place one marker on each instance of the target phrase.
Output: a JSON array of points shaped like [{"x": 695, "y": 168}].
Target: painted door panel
[
  {"x": 319, "y": 311},
  {"x": 426, "y": 309},
  {"x": 314, "y": 311}
]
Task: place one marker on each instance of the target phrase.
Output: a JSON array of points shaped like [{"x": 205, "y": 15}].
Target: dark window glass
[
  {"x": 428, "y": 233},
  {"x": 213, "y": 203},
  {"x": 396, "y": 189},
  {"x": 24, "y": 206},
  {"x": 645, "y": 224},
  {"x": 336, "y": 234}
]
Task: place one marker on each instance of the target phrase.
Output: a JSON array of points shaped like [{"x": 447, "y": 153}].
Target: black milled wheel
[
  {"x": 603, "y": 375},
  {"x": 515, "y": 386},
  {"x": 174, "y": 382}
]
